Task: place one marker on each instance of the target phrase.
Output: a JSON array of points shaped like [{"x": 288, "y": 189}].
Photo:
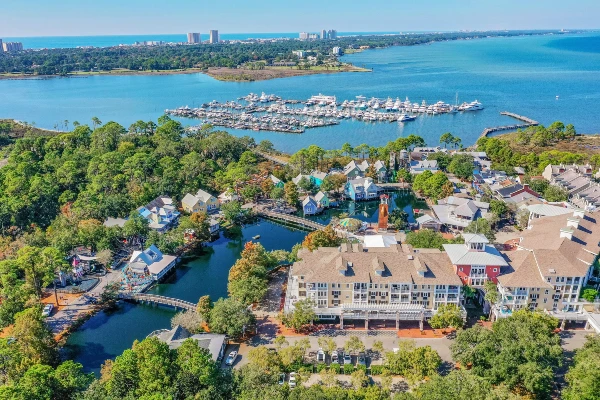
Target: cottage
[
  {"x": 322, "y": 200},
  {"x": 352, "y": 170},
  {"x": 214, "y": 343},
  {"x": 213, "y": 226},
  {"x": 310, "y": 206},
  {"x": 201, "y": 201},
  {"x": 161, "y": 213},
  {"x": 317, "y": 177},
  {"x": 297, "y": 179},
  {"x": 228, "y": 196},
  {"x": 428, "y": 222},
  {"x": 152, "y": 262},
  {"x": 457, "y": 213},
  {"x": 361, "y": 189}
]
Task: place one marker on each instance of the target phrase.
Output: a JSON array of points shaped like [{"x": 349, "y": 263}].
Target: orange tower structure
[{"x": 383, "y": 213}]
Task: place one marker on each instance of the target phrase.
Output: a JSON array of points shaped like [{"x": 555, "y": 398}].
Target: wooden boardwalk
[
  {"x": 156, "y": 299},
  {"x": 290, "y": 218},
  {"x": 527, "y": 123}
]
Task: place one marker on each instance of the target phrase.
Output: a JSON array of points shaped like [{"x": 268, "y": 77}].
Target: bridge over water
[{"x": 156, "y": 299}]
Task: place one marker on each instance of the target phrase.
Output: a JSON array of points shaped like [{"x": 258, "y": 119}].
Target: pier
[
  {"x": 270, "y": 157},
  {"x": 528, "y": 122},
  {"x": 160, "y": 300}
]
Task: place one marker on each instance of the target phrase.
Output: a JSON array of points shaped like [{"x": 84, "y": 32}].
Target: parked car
[
  {"x": 335, "y": 358},
  {"x": 347, "y": 358},
  {"x": 293, "y": 380},
  {"x": 47, "y": 310},
  {"x": 320, "y": 356},
  {"x": 281, "y": 379},
  {"x": 361, "y": 359},
  {"x": 231, "y": 358}
]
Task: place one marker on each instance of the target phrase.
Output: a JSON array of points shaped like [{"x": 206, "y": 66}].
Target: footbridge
[
  {"x": 161, "y": 300},
  {"x": 270, "y": 157},
  {"x": 290, "y": 218}
]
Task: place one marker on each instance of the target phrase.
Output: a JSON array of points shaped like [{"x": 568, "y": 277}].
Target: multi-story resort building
[
  {"x": 553, "y": 262},
  {"x": 394, "y": 283},
  {"x": 194, "y": 38},
  {"x": 213, "y": 36}
]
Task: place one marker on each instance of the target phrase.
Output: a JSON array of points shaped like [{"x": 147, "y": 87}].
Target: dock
[
  {"x": 160, "y": 300},
  {"x": 527, "y": 123},
  {"x": 290, "y": 218},
  {"x": 269, "y": 157}
]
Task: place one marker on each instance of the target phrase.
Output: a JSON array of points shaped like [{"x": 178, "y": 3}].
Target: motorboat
[{"x": 406, "y": 117}]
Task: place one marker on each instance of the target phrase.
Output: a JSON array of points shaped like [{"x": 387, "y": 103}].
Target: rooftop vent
[
  {"x": 579, "y": 213},
  {"x": 410, "y": 257},
  {"x": 566, "y": 233},
  {"x": 573, "y": 222},
  {"x": 552, "y": 270}
]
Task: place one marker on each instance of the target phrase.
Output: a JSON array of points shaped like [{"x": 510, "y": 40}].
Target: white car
[
  {"x": 47, "y": 310},
  {"x": 293, "y": 380},
  {"x": 320, "y": 356},
  {"x": 347, "y": 358},
  {"x": 231, "y": 358}
]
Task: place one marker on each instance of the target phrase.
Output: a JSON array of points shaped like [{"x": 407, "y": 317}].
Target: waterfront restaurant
[
  {"x": 377, "y": 284},
  {"x": 151, "y": 261}
]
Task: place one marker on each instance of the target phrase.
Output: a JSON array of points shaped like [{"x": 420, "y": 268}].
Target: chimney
[
  {"x": 573, "y": 222},
  {"x": 378, "y": 266},
  {"x": 341, "y": 266},
  {"x": 566, "y": 233}
]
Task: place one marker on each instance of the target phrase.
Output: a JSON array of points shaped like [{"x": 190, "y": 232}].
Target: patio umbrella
[{"x": 346, "y": 222}]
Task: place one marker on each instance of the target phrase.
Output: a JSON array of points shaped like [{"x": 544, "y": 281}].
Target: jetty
[
  {"x": 269, "y": 157},
  {"x": 527, "y": 123},
  {"x": 159, "y": 300}
]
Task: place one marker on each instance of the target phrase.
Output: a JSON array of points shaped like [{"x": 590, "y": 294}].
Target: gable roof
[
  {"x": 460, "y": 255},
  {"x": 274, "y": 179},
  {"x": 203, "y": 195},
  {"x": 319, "y": 196},
  {"x": 307, "y": 200}
]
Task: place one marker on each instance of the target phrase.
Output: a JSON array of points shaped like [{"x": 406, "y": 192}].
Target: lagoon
[{"x": 519, "y": 74}]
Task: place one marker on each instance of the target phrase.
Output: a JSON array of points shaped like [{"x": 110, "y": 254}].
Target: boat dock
[
  {"x": 290, "y": 218},
  {"x": 528, "y": 122}
]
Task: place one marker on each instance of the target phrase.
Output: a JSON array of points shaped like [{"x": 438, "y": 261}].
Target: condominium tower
[
  {"x": 213, "y": 36},
  {"x": 194, "y": 38}
]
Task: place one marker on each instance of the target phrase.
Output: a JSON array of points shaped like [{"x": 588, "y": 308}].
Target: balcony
[{"x": 478, "y": 275}]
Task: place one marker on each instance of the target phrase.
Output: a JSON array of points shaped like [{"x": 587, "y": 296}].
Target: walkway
[
  {"x": 289, "y": 218},
  {"x": 162, "y": 300},
  {"x": 528, "y": 122},
  {"x": 270, "y": 157}
]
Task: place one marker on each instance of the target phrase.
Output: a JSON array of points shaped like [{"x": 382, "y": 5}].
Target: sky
[{"x": 130, "y": 17}]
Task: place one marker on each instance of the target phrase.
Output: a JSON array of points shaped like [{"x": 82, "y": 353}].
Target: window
[
  {"x": 347, "y": 286},
  {"x": 495, "y": 269},
  {"x": 546, "y": 291},
  {"x": 461, "y": 269}
]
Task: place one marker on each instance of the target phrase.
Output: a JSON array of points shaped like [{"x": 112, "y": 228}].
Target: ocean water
[
  {"x": 520, "y": 74},
  {"x": 56, "y": 42}
]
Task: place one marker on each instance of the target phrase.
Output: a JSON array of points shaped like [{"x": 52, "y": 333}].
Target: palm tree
[{"x": 96, "y": 122}]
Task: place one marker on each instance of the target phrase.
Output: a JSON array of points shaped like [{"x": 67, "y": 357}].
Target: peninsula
[{"x": 223, "y": 61}]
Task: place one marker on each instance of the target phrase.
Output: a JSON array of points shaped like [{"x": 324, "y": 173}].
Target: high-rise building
[
  {"x": 214, "y": 36},
  {"x": 12, "y": 46},
  {"x": 1, "y": 47},
  {"x": 332, "y": 34},
  {"x": 303, "y": 35},
  {"x": 337, "y": 51},
  {"x": 194, "y": 38},
  {"x": 324, "y": 34},
  {"x": 313, "y": 36}
]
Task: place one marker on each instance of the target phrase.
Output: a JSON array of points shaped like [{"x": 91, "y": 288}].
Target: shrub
[
  {"x": 335, "y": 367},
  {"x": 321, "y": 367},
  {"x": 362, "y": 367},
  {"x": 376, "y": 369},
  {"x": 348, "y": 369}
]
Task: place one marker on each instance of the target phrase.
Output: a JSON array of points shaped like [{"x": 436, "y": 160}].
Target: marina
[
  {"x": 272, "y": 113},
  {"x": 527, "y": 123}
]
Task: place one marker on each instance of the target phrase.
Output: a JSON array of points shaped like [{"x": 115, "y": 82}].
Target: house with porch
[
  {"x": 418, "y": 167},
  {"x": 161, "y": 213},
  {"x": 152, "y": 261},
  {"x": 457, "y": 213},
  {"x": 322, "y": 200},
  {"x": 201, "y": 201},
  {"x": 228, "y": 196},
  {"x": 361, "y": 189}
]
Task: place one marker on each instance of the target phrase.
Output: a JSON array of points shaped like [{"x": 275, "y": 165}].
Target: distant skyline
[{"x": 135, "y": 17}]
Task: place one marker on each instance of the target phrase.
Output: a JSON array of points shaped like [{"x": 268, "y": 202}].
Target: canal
[{"x": 108, "y": 334}]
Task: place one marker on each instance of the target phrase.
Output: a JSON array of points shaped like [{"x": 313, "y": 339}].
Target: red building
[{"x": 475, "y": 261}]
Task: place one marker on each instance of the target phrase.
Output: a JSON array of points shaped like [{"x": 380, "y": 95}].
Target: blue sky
[{"x": 120, "y": 17}]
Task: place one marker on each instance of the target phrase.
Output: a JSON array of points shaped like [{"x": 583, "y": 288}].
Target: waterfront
[
  {"x": 107, "y": 335},
  {"x": 520, "y": 74}
]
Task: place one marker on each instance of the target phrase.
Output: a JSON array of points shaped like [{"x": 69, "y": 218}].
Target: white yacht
[
  {"x": 389, "y": 104},
  {"x": 406, "y": 117},
  {"x": 472, "y": 106},
  {"x": 264, "y": 98},
  {"x": 397, "y": 105}
]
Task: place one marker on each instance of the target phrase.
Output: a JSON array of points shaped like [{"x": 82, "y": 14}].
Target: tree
[
  {"x": 302, "y": 314},
  {"x": 204, "y": 307},
  {"x": 583, "y": 376},
  {"x": 589, "y": 294},
  {"x": 354, "y": 345},
  {"x": 521, "y": 351},
  {"x": 461, "y": 166},
  {"x": 35, "y": 342},
  {"x": 96, "y": 122},
  {"x": 359, "y": 379},
  {"x": 136, "y": 226},
  {"x": 446, "y": 139},
  {"x": 412, "y": 362},
  {"x": 459, "y": 385},
  {"x": 189, "y": 320},
  {"x": 328, "y": 377},
  {"x": 555, "y": 193},
  {"x": 327, "y": 344},
  {"x": 492, "y": 295},
  {"x": 291, "y": 193},
  {"x": 248, "y": 277},
  {"x": 498, "y": 207},
  {"x": 280, "y": 342},
  {"x": 326, "y": 237},
  {"x": 333, "y": 182},
  {"x": 447, "y": 315},
  {"x": 110, "y": 295},
  {"x": 307, "y": 185},
  {"x": 104, "y": 257},
  {"x": 426, "y": 239},
  {"x": 398, "y": 218},
  {"x": 481, "y": 226},
  {"x": 231, "y": 317},
  {"x": 232, "y": 211}
]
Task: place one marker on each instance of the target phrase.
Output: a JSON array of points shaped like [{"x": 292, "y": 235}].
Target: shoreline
[{"x": 222, "y": 74}]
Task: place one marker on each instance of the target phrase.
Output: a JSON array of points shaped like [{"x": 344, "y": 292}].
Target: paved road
[{"x": 61, "y": 319}]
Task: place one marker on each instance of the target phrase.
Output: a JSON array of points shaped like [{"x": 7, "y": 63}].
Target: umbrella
[{"x": 346, "y": 222}]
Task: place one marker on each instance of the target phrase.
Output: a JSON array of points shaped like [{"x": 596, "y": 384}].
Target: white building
[
  {"x": 152, "y": 262},
  {"x": 213, "y": 37}
]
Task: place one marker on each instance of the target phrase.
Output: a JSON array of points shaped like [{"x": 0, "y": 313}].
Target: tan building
[
  {"x": 351, "y": 282},
  {"x": 201, "y": 201},
  {"x": 553, "y": 262}
]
